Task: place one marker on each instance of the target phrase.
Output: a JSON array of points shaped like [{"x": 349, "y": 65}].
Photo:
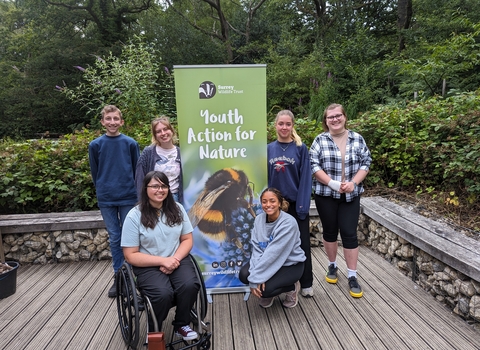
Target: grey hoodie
[{"x": 274, "y": 245}]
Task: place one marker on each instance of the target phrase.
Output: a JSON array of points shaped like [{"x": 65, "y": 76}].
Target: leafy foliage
[
  {"x": 429, "y": 147},
  {"x": 426, "y": 146},
  {"x": 46, "y": 175},
  {"x": 131, "y": 82}
]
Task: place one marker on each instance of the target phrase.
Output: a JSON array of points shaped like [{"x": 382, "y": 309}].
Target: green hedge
[{"x": 429, "y": 146}]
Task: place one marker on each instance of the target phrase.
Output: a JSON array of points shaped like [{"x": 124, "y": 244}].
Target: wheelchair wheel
[
  {"x": 202, "y": 293},
  {"x": 199, "y": 312},
  {"x": 127, "y": 306}
]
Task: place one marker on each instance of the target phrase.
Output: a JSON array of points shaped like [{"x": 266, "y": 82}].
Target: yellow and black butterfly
[{"x": 224, "y": 192}]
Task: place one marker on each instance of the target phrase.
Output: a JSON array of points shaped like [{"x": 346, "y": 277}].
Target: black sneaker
[
  {"x": 112, "y": 292},
  {"x": 355, "y": 289},
  {"x": 331, "y": 275}
]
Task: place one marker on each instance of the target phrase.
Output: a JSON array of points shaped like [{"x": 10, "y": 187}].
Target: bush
[
  {"x": 429, "y": 147},
  {"x": 433, "y": 144}
]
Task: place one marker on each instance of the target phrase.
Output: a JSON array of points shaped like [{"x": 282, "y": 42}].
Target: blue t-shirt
[{"x": 162, "y": 240}]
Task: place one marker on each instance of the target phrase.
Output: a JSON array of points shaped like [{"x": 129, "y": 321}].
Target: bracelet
[{"x": 176, "y": 258}]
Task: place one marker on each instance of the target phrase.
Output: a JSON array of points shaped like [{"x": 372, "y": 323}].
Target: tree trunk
[{"x": 403, "y": 21}]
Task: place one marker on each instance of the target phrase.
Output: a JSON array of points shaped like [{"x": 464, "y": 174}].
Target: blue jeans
[{"x": 113, "y": 217}]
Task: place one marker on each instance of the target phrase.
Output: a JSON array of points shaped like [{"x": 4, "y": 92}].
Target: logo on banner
[{"x": 206, "y": 90}]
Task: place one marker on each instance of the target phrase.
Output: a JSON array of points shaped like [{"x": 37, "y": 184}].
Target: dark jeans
[
  {"x": 281, "y": 282},
  {"x": 179, "y": 288},
  {"x": 338, "y": 214},
  {"x": 306, "y": 280},
  {"x": 113, "y": 217}
]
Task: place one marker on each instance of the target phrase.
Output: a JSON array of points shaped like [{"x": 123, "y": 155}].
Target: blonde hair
[
  {"x": 330, "y": 107},
  {"x": 294, "y": 136},
  {"x": 165, "y": 121}
]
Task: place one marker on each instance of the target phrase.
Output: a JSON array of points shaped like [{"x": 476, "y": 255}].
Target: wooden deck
[{"x": 65, "y": 306}]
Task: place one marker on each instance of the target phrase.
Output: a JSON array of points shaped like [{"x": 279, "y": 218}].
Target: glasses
[
  {"x": 336, "y": 116},
  {"x": 158, "y": 187}
]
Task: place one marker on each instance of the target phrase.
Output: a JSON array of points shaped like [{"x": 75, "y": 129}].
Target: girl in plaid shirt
[{"x": 340, "y": 160}]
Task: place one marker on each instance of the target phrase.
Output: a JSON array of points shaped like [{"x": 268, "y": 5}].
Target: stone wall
[{"x": 57, "y": 246}]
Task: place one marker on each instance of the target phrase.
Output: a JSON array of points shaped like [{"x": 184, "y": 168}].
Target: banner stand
[{"x": 222, "y": 129}]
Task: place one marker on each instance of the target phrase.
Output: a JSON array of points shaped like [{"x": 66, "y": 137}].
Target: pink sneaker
[
  {"x": 291, "y": 298},
  {"x": 266, "y": 302}
]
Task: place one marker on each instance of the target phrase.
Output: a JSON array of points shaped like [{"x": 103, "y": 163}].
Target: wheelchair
[{"x": 132, "y": 303}]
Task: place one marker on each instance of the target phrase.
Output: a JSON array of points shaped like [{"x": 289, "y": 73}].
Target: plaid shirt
[{"x": 325, "y": 155}]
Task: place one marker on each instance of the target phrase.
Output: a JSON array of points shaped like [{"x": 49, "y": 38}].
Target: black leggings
[
  {"x": 281, "y": 282},
  {"x": 306, "y": 280},
  {"x": 338, "y": 214}
]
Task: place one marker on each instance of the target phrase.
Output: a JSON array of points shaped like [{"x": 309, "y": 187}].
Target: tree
[
  {"x": 111, "y": 18},
  {"x": 403, "y": 21},
  {"x": 217, "y": 15}
]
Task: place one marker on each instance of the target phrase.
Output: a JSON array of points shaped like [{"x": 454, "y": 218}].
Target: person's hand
[
  {"x": 165, "y": 270},
  {"x": 170, "y": 264},
  {"x": 258, "y": 291},
  {"x": 334, "y": 185},
  {"x": 347, "y": 187}
]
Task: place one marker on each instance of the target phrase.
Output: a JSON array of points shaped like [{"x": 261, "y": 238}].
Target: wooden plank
[
  {"x": 261, "y": 328},
  {"x": 351, "y": 310},
  {"x": 395, "y": 313},
  {"x": 45, "y": 225},
  {"x": 242, "y": 336},
  {"x": 62, "y": 322},
  {"x": 222, "y": 325},
  {"x": 46, "y": 302},
  {"x": 282, "y": 332},
  {"x": 68, "y": 318},
  {"x": 453, "y": 330},
  {"x": 98, "y": 328},
  {"x": 106, "y": 335},
  {"x": 301, "y": 326},
  {"x": 73, "y": 214},
  {"x": 439, "y": 229},
  {"x": 337, "y": 321},
  {"x": 372, "y": 311},
  {"x": 458, "y": 257},
  {"x": 16, "y": 310}
]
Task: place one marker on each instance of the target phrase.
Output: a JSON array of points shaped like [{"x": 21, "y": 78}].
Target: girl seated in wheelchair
[
  {"x": 277, "y": 260},
  {"x": 156, "y": 240}
]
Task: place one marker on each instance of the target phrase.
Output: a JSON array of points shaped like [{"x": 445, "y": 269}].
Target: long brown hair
[{"x": 170, "y": 209}]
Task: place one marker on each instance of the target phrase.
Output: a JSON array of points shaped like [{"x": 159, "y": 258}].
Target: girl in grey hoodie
[{"x": 277, "y": 260}]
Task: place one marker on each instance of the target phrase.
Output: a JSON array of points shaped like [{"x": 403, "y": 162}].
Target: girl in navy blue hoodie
[{"x": 289, "y": 171}]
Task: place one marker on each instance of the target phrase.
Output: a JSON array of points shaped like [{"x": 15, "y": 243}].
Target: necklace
[{"x": 284, "y": 148}]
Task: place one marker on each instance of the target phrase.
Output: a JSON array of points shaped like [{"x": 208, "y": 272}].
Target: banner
[{"x": 222, "y": 130}]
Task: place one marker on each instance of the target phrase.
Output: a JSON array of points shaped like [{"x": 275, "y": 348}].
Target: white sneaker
[{"x": 307, "y": 292}]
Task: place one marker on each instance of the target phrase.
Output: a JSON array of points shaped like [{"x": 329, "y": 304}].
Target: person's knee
[
  {"x": 243, "y": 275},
  {"x": 330, "y": 237},
  {"x": 350, "y": 242}
]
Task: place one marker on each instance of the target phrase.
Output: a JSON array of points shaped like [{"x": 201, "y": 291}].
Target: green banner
[{"x": 222, "y": 130}]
